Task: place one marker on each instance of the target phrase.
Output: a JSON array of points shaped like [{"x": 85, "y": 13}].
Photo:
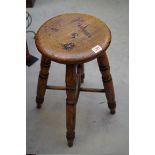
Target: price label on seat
[{"x": 97, "y": 49}]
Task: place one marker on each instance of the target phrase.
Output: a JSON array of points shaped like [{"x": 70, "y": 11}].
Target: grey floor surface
[{"x": 97, "y": 132}]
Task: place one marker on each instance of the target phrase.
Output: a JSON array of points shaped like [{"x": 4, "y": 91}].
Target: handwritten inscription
[
  {"x": 78, "y": 19},
  {"x": 74, "y": 35},
  {"x": 55, "y": 29},
  {"x": 84, "y": 30},
  {"x": 54, "y": 26},
  {"x": 81, "y": 26}
]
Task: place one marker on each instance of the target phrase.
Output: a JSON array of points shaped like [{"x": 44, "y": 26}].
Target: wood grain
[
  {"x": 71, "y": 84},
  {"x": 104, "y": 67},
  {"x": 73, "y": 39},
  {"x": 42, "y": 80},
  {"x": 69, "y": 38}
]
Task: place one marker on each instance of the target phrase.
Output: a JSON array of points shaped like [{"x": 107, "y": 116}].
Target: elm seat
[{"x": 70, "y": 38}]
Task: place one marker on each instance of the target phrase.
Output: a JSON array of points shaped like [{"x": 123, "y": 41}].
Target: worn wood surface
[{"x": 69, "y": 38}]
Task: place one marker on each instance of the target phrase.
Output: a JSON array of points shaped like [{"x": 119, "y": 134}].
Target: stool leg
[
  {"x": 42, "y": 81},
  {"x": 82, "y": 72},
  {"x": 71, "y": 81},
  {"x": 107, "y": 81}
]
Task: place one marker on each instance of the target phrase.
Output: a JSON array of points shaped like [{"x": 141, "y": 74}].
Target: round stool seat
[{"x": 73, "y": 38}]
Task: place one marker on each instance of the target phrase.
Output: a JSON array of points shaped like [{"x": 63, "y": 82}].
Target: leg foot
[
  {"x": 112, "y": 111},
  {"x": 112, "y": 107},
  {"x": 70, "y": 138},
  {"x": 70, "y": 143},
  {"x": 39, "y": 102},
  {"x": 38, "y": 106}
]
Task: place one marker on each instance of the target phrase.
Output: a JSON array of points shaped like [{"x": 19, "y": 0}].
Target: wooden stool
[{"x": 74, "y": 39}]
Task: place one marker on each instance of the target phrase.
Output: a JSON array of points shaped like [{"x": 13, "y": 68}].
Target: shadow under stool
[{"x": 73, "y": 39}]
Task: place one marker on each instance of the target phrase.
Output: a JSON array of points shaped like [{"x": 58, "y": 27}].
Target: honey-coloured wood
[
  {"x": 80, "y": 89},
  {"x": 81, "y": 66},
  {"x": 73, "y": 39},
  {"x": 107, "y": 81},
  {"x": 69, "y": 38},
  {"x": 71, "y": 84},
  {"x": 42, "y": 81}
]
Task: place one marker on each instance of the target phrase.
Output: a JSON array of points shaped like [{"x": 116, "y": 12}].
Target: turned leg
[
  {"x": 71, "y": 81},
  {"x": 107, "y": 81},
  {"x": 82, "y": 72},
  {"x": 42, "y": 81}
]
